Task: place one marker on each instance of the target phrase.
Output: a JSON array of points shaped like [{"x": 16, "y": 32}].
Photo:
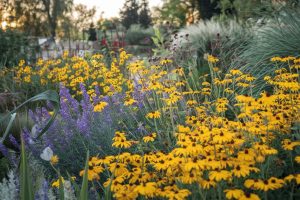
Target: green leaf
[
  {"x": 11, "y": 120},
  {"x": 49, "y": 95},
  {"x": 84, "y": 186},
  {"x": 26, "y": 192}
]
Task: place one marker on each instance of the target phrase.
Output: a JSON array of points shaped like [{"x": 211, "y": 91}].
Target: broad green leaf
[{"x": 49, "y": 95}]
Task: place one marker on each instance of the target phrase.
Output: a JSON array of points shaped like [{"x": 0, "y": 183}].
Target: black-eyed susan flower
[
  {"x": 233, "y": 193},
  {"x": 153, "y": 114},
  {"x": 121, "y": 143},
  {"x": 146, "y": 189},
  {"x": 289, "y": 145},
  {"x": 207, "y": 183},
  {"x": 212, "y": 59},
  {"x": 249, "y": 196},
  {"x": 219, "y": 175},
  {"x": 100, "y": 106},
  {"x": 149, "y": 138}
]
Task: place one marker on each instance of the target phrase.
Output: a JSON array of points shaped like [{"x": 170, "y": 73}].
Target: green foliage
[
  {"x": 280, "y": 37},
  {"x": 12, "y": 47},
  {"x": 158, "y": 40},
  {"x": 255, "y": 9},
  {"x": 137, "y": 35},
  {"x": 49, "y": 95},
  {"x": 172, "y": 11}
]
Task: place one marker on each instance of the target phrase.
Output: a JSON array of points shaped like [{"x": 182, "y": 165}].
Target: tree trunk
[{"x": 53, "y": 30}]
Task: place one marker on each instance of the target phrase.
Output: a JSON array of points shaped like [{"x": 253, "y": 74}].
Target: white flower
[{"x": 47, "y": 154}]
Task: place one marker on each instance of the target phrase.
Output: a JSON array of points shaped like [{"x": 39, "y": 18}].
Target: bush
[
  {"x": 137, "y": 35},
  {"x": 12, "y": 45}
]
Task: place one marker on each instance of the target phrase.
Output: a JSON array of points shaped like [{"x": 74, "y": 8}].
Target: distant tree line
[
  {"x": 134, "y": 12},
  {"x": 47, "y": 17}
]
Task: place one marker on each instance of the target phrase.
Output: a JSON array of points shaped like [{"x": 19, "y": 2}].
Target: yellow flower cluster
[
  {"x": 73, "y": 71},
  {"x": 211, "y": 151}
]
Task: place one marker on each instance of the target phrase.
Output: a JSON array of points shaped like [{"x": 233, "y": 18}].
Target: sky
[{"x": 111, "y": 8}]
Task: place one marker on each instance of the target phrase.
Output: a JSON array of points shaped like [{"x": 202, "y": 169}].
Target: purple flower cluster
[{"x": 76, "y": 118}]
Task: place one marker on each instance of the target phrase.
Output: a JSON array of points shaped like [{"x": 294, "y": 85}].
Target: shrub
[
  {"x": 12, "y": 47},
  {"x": 137, "y": 35}
]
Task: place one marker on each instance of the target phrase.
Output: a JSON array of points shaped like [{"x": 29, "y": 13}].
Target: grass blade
[
  {"x": 26, "y": 192},
  {"x": 61, "y": 188},
  {"x": 84, "y": 186},
  {"x": 10, "y": 123}
]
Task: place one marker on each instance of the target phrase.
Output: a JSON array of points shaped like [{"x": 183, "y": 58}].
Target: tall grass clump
[
  {"x": 279, "y": 37},
  {"x": 224, "y": 39}
]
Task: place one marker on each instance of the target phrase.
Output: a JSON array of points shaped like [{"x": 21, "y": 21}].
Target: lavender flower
[
  {"x": 4, "y": 150},
  {"x": 6, "y": 154},
  {"x": 85, "y": 102},
  {"x": 14, "y": 141}
]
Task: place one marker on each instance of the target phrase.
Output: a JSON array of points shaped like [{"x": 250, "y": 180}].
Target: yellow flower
[
  {"x": 92, "y": 175},
  {"x": 129, "y": 102},
  {"x": 249, "y": 196},
  {"x": 120, "y": 141},
  {"x": 212, "y": 59},
  {"x": 165, "y": 61},
  {"x": 243, "y": 170},
  {"x": 149, "y": 138},
  {"x": 233, "y": 193},
  {"x": 272, "y": 183},
  {"x": 56, "y": 183},
  {"x": 289, "y": 145},
  {"x": 207, "y": 184},
  {"x": 54, "y": 160},
  {"x": 100, "y": 106},
  {"x": 220, "y": 175},
  {"x": 122, "y": 144},
  {"x": 154, "y": 114},
  {"x": 146, "y": 189},
  {"x": 297, "y": 159}
]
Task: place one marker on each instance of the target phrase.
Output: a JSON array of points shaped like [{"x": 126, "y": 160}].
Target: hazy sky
[{"x": 111, "y": 8}]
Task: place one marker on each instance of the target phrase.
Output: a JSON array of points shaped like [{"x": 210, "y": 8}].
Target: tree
[
  {"x": 92, "y": 33},
  {"x": 83, "y": 17},
  {"x": 208, "y": 8},
  {"x": 54, "y": 9},
  {"x": 144, "y": 18},
  {"x": 129, "y": 13},
  {"x": 173, "y": 11}
]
